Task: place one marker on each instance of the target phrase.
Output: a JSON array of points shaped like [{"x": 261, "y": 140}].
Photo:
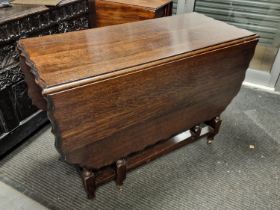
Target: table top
[
  {"x": 22, "y": 10},
  {"x": 68, "y": 58},
  {"x": 154, "y": 4}
]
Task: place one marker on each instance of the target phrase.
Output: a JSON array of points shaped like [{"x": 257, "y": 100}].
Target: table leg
[
  {"x": 215, "y": 123},
  {"x": 120, "y": 172},
  {"x": 89, "y": 182},
  {"x": 195, "y": 131}
]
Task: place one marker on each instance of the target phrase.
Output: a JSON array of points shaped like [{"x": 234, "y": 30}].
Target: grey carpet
[{"x": 224, "y": 175}]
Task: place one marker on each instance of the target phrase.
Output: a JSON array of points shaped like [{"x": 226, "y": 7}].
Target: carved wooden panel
[
  {"x": 15, "y": 105},
  {"x": 9, "y": 66}
]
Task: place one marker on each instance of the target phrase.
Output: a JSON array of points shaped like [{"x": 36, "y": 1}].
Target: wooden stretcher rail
[{"x": 109, "y": 173}]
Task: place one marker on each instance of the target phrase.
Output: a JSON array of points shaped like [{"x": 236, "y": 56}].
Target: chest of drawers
[{"x": 112, "y": 12}]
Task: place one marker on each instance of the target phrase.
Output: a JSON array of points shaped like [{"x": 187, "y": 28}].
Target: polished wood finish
[
  {"x": 112, "y": 12},
  {"x": 109, "y": 96},
  {"x": 69, "y": 60}
]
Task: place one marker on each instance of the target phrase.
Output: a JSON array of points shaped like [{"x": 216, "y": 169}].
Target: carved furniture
[
  {"x": 18, "y": 117},
  {"x": 119, "y": 96},
  {"x": 112, "y": 12}
]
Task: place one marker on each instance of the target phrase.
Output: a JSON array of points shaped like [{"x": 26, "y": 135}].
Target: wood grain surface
[
  {"x": 115, "y": 90},
  {"x": 74, "y": 56},
  {"x": 112, "y": 12},
  {"x": 151, "y": 4},
  {"x": 125, "y": 114}
]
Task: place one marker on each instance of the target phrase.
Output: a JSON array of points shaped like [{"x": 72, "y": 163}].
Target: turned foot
[
  {"x": 89, "y": 182},
  {"x": 215, "y": 124},
  {"x": 120, "y": 173},
  {"x": 195, "y": 131}
]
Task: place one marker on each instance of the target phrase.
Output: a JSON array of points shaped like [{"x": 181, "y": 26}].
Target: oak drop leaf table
[{"x": 122, "y": 95}]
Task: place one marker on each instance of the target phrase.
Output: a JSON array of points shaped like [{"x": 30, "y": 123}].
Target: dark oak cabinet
[{"x": 18, "y": 117}]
